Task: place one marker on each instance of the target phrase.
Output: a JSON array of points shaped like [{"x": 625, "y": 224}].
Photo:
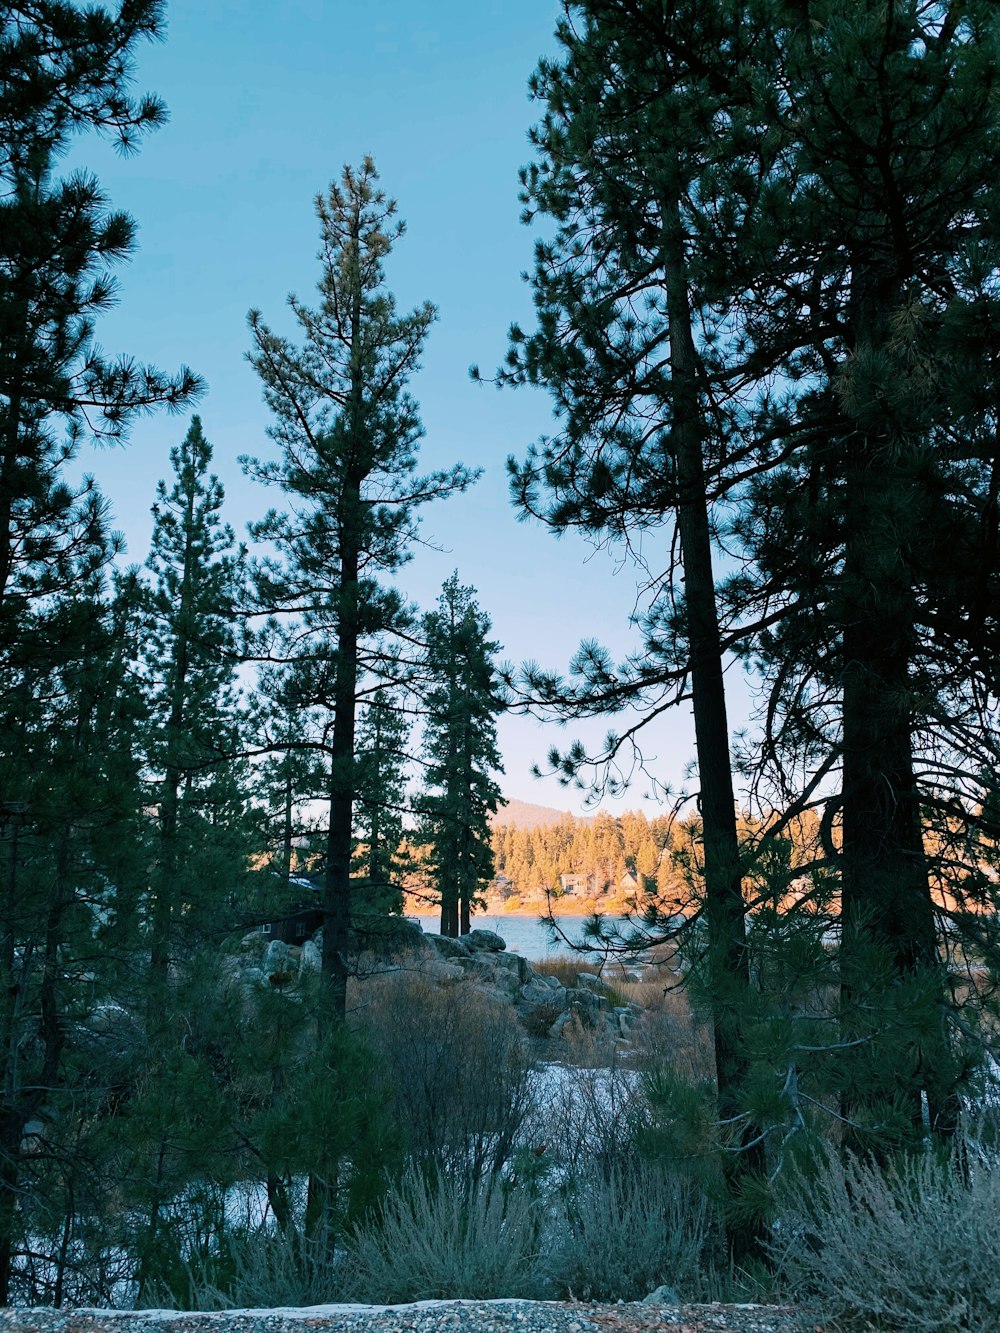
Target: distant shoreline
[{"x": 497, "y": 913}]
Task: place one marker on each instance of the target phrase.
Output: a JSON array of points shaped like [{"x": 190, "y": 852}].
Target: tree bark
[
  {"x": 728, "y": 955},
  {"x": 887, "y": 909}
]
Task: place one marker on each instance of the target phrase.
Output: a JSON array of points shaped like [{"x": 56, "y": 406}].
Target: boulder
[
  {"x": 663, "y": 1295},
  {"x": 588, "y": 981},
  {"x": 312, "y": 956},
  {"x": 437, "y": 969},
  {"x": 559, "y": 1026},
  {"x": 398, "y": 934},
  {"x": 515, "y": 963},
  {"x": 448, "y": 947},
  {"x": 253, "y": 944},
  {"x": 485, "y": 939},
  {"x": 533, "y": 994},
  {"x": 582, "y": 998},
  {"x": 278, "y": 957}
]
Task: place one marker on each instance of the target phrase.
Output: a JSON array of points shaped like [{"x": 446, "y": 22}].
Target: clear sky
[{"x": 267, "y": 102}]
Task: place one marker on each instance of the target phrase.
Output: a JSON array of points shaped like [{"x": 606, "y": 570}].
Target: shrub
[
  {"x": 257, "y": 1268},
  {"x": 434, "y": 1240},
  {"x": 459, "y": 1072},
  {"x": 591, "y": 1115},
  {"x": 538, "y": 1020},
  {"x": 912, "y": 1246},
  {"x": 568, "y": 971},
  {"x": 630, "y": 1231}
]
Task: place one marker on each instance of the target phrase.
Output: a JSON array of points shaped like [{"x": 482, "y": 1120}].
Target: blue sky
[{"x": 266, "y": 105}]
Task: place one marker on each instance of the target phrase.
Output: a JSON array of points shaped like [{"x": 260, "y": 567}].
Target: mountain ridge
[{"x": 526, "y": 814}]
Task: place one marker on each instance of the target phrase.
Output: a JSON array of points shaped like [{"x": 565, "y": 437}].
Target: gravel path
[{"x": 423, "y": 1317}]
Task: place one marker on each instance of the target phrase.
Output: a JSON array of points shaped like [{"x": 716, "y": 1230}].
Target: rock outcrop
[{"x": 546, "y": 1007}]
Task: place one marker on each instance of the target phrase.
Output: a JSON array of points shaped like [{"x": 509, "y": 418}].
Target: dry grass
[{"x": 567, "y": 971}]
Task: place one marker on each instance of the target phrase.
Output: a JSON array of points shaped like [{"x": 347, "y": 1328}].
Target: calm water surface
[{"x": 524, "y": 934}]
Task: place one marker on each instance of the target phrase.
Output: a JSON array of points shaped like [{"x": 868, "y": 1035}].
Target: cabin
[
  {"x": 299, "y": 924},
  {"x": 570, "y": 884}
]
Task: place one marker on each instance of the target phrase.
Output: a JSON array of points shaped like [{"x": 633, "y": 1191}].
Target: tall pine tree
[
  {"x": 190, "y": 660},
  {"x": 460, "y": 752},
  {"x": 347, "y": 431},
  {"x": 652, "y": 119}
]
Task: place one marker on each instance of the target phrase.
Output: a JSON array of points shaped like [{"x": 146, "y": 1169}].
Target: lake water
[{"x": 524, "y": 934}]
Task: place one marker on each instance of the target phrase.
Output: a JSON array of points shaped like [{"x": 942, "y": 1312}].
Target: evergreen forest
[{"x": 765, "y": 322}]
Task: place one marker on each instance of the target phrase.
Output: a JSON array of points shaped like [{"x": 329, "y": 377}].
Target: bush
[
  {"x": 434, "y": 1240},
  {"x": 630, "y": 1231},
  {"x": 591, "y": 1115},
  {"x": 259, "y": 1268},
  {"x": 538, "y": 1020},
  {"x": 568, "y": 971},
  {"x": 459, "y": 1072},
  {"x": 912, "y": 1246}
]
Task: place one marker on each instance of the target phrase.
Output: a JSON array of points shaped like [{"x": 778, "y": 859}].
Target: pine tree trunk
[
  {"x": 337, "y": 888},
  {"x": 886, "y": 897},
  {"x": 728, "y": 954},
  {"x": 287, "y": 829},
  {"x": 177, "y": 720}
]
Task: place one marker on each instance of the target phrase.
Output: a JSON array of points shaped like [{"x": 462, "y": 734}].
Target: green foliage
[
  {"x": 629, "y": 1232},
  {"x": 382, "y": 760},
  {"x": 600, "y": 850},
  {"x": 460, "y": 752},
  {"x": 254, "y": 1268},
  {"x": 432, "y": 1240},
  {"x": 904, "y": 1246},
  {"x": 193, "y": 729}
]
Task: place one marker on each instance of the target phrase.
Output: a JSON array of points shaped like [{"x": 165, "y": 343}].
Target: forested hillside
[
  {"x": 599, "y": 850},
  {"x": 760, "y": 365}
]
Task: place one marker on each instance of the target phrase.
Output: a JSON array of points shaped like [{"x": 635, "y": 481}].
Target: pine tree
[
  {"x": 460, "y": 752},
  {"x": 382, "y": 766},
  {"x": 68, "y": 799},
  {"x": 64, "y": 69},
  {"x": 190, "y": 658},
  {"x": 74, "y": 858},
  {"x": 651, "y": 115},
  {"x": 347, "y": 432},
  {"x": 290, "y": 775},
  {"x": 879, "y": 639}
]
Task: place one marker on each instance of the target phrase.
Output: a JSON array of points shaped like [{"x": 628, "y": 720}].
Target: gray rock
[
  {"x": 254, "y": 943},
  {"x": 588, "y": 981},
  {"x": 557, "y": 1028},
  {"x": 312, "y": 956},
  {"x": 485, "y": 939},
  {"x": 663, "y": 1295},
  {"x": 534, "y": 994},
  {"x": 448, "y": 947},
  {"x": 278, "y": 957},
  {"x": 516, "y": 964},
  {"x": 441, "y": 971},
  {"x": 400, "y": 933},
  {"x": 553, "y": 983},
  {"x": 585, "y": 999}
]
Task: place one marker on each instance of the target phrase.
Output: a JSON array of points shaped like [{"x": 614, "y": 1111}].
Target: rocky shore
[{"x": 549, "y": 1007}]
